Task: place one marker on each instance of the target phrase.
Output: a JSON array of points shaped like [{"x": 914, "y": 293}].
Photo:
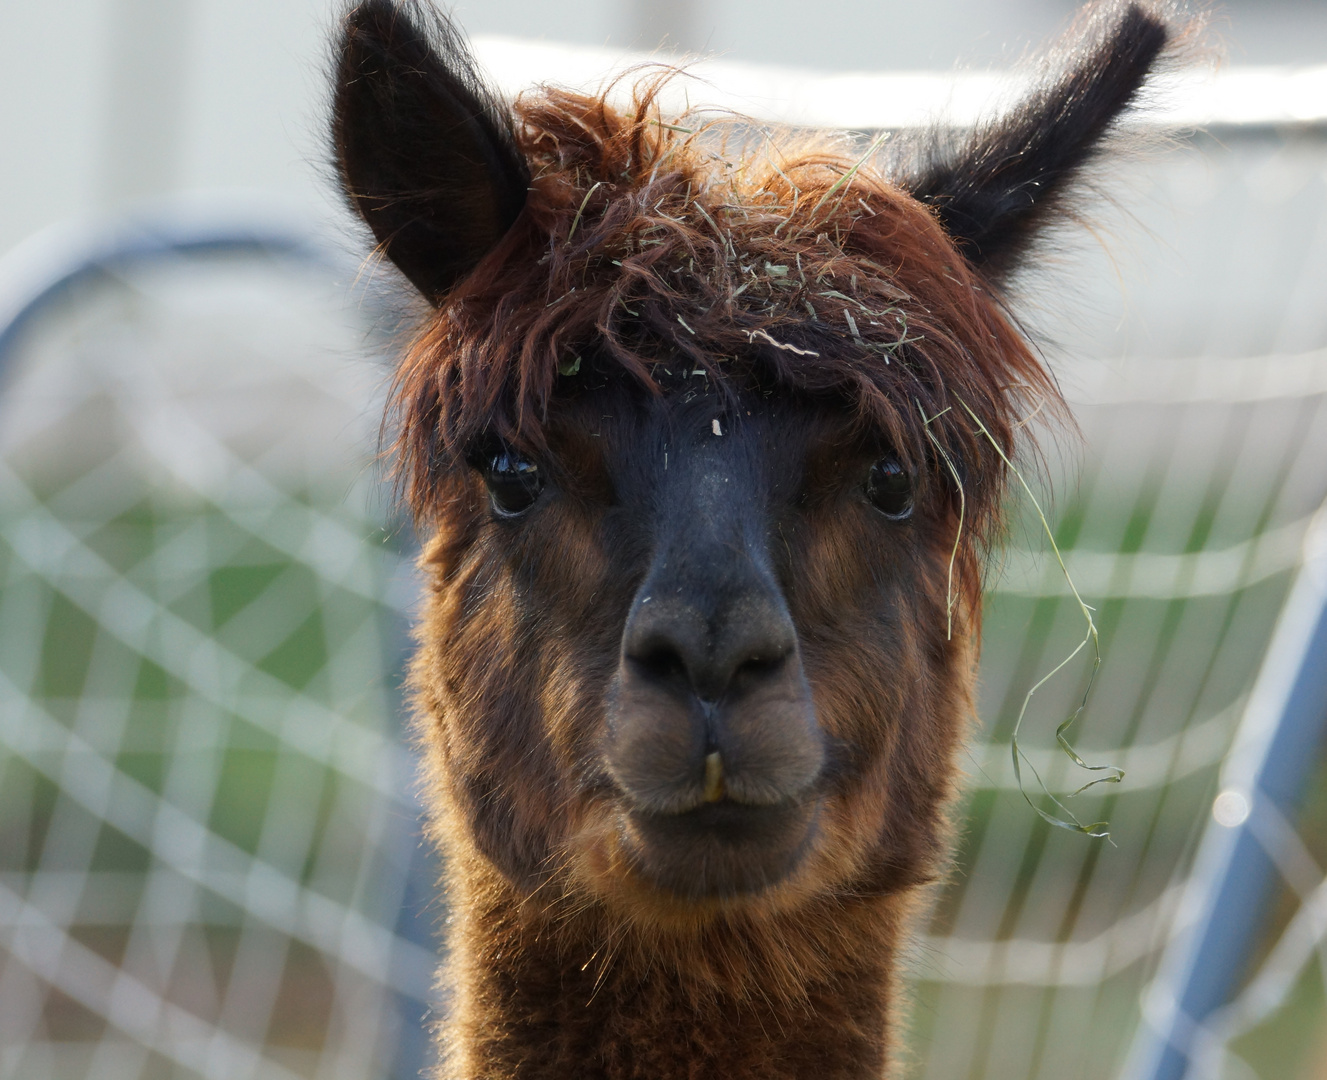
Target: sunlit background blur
[{"x": 209, "y": 852}]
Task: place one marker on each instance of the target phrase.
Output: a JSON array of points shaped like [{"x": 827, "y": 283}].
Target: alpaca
[{"x": 707, "y": 433}]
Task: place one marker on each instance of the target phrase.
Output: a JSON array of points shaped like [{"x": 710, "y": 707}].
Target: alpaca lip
[{"x": 722, "y": 848}]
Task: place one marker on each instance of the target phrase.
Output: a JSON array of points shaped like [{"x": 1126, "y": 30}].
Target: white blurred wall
[{"x": 105, "y": 104}]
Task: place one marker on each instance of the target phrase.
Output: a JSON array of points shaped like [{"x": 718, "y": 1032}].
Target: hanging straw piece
[
  {"x": 1097, "y": 829},
  {"x": 951, "y": 597}
]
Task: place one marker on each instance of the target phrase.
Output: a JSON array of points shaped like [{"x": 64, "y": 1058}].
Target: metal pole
[{"x": 1276, "y": 745}]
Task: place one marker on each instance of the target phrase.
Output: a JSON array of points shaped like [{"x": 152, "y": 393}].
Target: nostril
[
  {"x": 660, "y": 662},
  {"x": 759, "y": 667}
]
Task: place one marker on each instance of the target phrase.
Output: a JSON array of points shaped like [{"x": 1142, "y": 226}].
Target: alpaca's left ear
[
  {"x": 994, "y": 191},
  {"x": 425, "y": 152}
]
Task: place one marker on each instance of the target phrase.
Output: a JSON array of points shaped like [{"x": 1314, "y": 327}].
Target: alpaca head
[{"x": 708, "y": 431}]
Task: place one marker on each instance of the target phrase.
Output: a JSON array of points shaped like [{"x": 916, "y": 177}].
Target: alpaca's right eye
[{"x": 514, "y": 482}]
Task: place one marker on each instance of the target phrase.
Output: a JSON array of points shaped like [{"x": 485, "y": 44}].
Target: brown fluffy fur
[
  {"x": 831, "y": 308},
  {"x": 582, "y": 969},
  {"x": 607, "y": 977},
  {"x": 649, "y": 243},
  {"x": 611, "y": 978}
]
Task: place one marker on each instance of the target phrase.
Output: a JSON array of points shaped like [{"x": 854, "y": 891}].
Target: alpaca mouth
[{"x": 720, "y": 849}]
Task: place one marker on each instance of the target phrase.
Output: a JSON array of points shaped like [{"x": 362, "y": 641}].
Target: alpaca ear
[
  {"x": 995, "y": 190},
  {"x": 426, "y": 154}
]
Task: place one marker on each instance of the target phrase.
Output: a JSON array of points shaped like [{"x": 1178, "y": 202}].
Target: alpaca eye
[
  {"x": 889, "y": 487},
  {"x": 513, "y": 483}
]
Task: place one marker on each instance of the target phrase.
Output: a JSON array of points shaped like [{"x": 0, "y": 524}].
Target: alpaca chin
[
  {"x": 684, "y": 873},
  {"x": 722, "y": 849}
]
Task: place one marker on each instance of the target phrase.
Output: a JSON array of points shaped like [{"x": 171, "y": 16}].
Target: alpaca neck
[{"x": 545, "y": 998}]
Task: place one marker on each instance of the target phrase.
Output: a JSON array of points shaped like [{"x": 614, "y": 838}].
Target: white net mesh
[
  {"x": 204, "y": 807},
  {"x": 206, "y": 827}
]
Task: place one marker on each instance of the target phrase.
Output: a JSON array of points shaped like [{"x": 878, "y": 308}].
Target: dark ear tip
[
  {"x": 1145, "y": 25},
  {"x": 371, "y": 13},
  {"x": 376, "y": 24},
  {"x": 1148, "y": 26},
  {"x": 372, "y": 27},
  {"x": 1136, "y": 40}
]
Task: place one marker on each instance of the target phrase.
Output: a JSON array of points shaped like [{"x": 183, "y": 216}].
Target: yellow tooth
[{"x": 713, "y": 777}]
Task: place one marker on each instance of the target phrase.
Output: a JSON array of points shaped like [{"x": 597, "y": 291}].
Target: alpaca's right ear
[{"x": 425, "y": 152}]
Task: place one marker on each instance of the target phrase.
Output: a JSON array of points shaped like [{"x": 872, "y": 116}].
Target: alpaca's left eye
[
  {"x": 889, "y": 487},
  {"x": 514, "y": 482}
]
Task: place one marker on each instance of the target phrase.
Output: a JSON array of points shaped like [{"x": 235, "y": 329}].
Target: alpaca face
[
  {"x": 713, "y": 647},
  {"x": 708, "y": 450}
]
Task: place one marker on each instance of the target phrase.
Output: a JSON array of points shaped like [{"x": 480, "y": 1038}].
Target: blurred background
[{"x": 209, "y": 845}]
